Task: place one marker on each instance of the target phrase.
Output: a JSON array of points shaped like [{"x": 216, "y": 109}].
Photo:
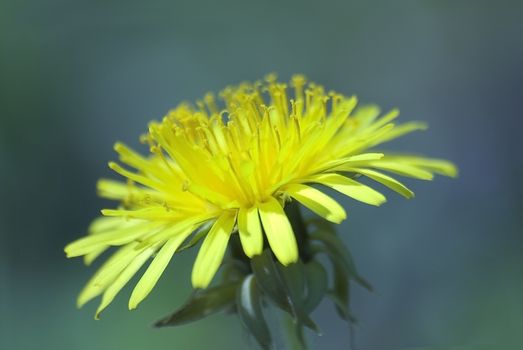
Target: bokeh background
[{"x": 75, "y": 76}]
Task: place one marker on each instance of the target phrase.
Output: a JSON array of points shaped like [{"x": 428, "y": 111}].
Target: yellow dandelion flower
[{"x": 233, "y": 169}]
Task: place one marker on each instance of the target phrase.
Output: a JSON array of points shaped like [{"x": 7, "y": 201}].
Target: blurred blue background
[{"x": 75, "y": 76}]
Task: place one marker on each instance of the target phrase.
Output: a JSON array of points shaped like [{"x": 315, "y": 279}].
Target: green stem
[
  {"x": 293, "y": 338},
  {"x": 295, "y": 335}
]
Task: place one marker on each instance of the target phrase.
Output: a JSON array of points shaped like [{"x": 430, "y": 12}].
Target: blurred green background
[{"x": 75, "y": 76}]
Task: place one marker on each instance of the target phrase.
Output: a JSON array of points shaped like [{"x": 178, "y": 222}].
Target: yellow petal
[
  {"x": 155, "y": 270},
  {"x": 103, "y": 223},
  {"x": 386, "y": 180},
  {"x": 212, "y": 250},
  {"x": 387, "y": 118},
  {"x": 278, "y": 231},
  {"x": 122, "y": 279},
  {"x": 112, "y": 189},
  {"x": 211, "y": 195},
  {"x": 100, "y": 225},
  {"x": 174, "y": 229},
  {"x": 153, "y": 212},
  {"x": 366, "y": 140},
  {"x": 107, "y": 273},
  {"x": 401, "y": 130},
  {"x": 350, "y": 188},
  {"x": 317, "y": 201},
  {"x": 365, "y": 115},
  {"x": 90, "y": 257},
  {"x": 251, "y": 234},
  {"x": 364, "y": 156},
  {"x": 138, "y": 178},
  {"x": 118, "y": 236},
  {"x": 130, "y": 157},
  {"x": 401, "y": 169},
  {"x": 347, "y": 161},
  {"x": 438, "y": 166}
]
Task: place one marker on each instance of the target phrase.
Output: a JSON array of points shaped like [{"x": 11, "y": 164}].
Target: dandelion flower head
[{"x": 230, "y": 164}]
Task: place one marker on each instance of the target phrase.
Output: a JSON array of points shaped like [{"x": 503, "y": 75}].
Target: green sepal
[
  {"x": 281, "y": 284},
  {"x": 321, "y": 224},
  {"x": 341, "y": 291},
  {"x": 296, "y": 281},
  {"x": 316, "y": 285},
  {"x": 341, "y": 307},
  {"x": 300, "y": 336},
  {"x": 202, "y": 304},
  {"x": 248, "y": 306},
  {"x": 270, "y": 281},
  {"x": 335, "y": 249},
  {"x": 233, "y": 270}
]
